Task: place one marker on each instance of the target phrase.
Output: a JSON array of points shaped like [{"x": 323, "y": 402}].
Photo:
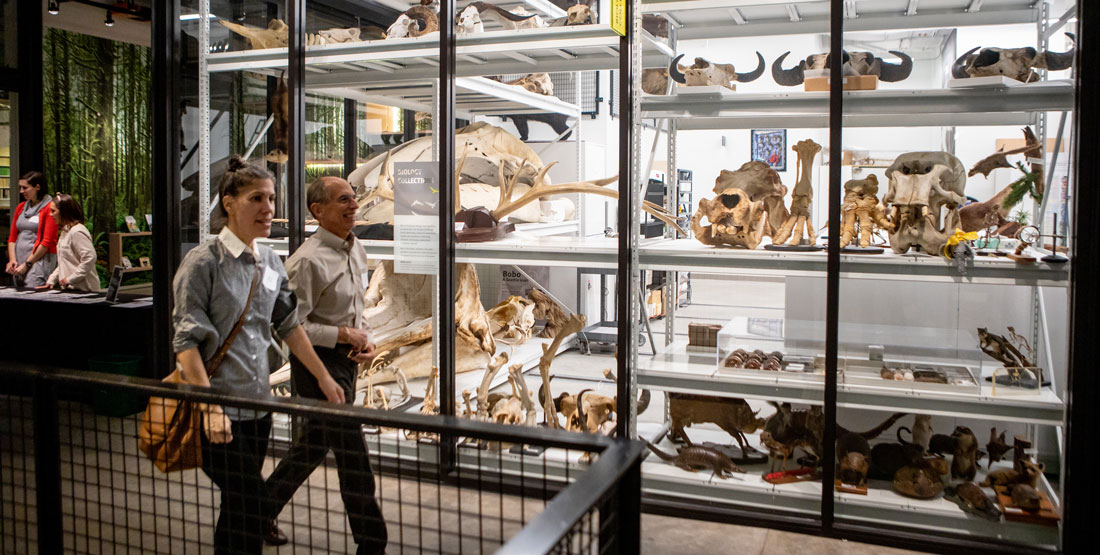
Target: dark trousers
[
  {"x": 235, "y": 468},
  {"x": 311, "y": 445}
]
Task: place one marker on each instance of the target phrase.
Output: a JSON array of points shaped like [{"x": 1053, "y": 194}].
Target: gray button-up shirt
[
  {"x": 211, "y": 288},
  {"x": 329, "y": 276}
]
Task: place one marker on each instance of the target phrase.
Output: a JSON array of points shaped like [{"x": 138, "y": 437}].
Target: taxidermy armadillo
[{"x": 697, "y": 457}]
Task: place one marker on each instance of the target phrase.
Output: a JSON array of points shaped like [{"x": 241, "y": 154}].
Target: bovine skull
[
  {"x": 734, "y": 220},
  {"x": 538, "y": 83},
  {"x": 469, "y": 21},
  {"x": 923, "y": 200},
  {"x": 580, "y": 14},
  {"x": 1016, "y": 63},
  {"x": 855, "y": 63},
  {"x": 763, "y": 185},
  {"x": 703, "y": 73},
  {"x": 408, "y": 23},
  {"x": 512, "y": 320}
]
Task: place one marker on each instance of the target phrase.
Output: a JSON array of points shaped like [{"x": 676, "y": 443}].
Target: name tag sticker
[{"x": 271, "y": 278}]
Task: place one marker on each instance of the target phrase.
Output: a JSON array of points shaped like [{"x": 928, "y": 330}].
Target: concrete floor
[{"x": 661, "y": 534}]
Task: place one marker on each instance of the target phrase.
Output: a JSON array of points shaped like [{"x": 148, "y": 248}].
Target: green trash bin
[{"x": 114, "y": 402}]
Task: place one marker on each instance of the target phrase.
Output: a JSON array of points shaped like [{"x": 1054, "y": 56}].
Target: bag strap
[{"x": 216, "y": 361}]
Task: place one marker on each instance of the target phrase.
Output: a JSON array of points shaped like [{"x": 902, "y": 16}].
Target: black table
[{"x": 66, "y": 329}]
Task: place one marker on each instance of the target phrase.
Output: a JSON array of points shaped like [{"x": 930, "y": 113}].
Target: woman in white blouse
[{"x": 75, "y": 251}]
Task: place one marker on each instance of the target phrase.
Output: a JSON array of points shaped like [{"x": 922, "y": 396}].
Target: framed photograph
[
  {"x": 144, "y": 262},
  {"x": 149, "y": 222},
  {"x": 126, "y": 264},
  {"x": 116, "y": 281},
  {"x": 770, "y": 146},
  {"x": 131, "y": 224}
]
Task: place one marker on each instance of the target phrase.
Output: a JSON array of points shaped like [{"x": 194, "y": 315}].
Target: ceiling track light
[
  {"x": 53, "y": 8},
  {"x": 110, "y": 21}
]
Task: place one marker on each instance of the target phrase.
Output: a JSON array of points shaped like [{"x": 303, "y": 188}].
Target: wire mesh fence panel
[
  {"x": 312, "y": 477},
  {"x": 18, "y": 522}
]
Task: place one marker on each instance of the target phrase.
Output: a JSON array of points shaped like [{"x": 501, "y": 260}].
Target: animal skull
[
  {"x": 735, "y": 221},
  {"x": 513, "y": 320},
  {"x": 855, "y": 63},
  {"x": 580, "y": 14},
  {"x": 703, "y": 73},
  {"x": 923, "y": 200},
  {"x": 538, "y": 83},
  {"x": 469, "y": 21},
  {"x": 408, "y": 23},
  {"x": 762, "y": 185},
  {"x": 1016, "y": 63}
]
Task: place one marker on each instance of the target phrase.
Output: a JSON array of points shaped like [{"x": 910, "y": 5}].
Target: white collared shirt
[{"x": 234, "y": 244}]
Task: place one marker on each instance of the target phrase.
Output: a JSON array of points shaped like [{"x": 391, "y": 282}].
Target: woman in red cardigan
[{"x": 32, "y": 245}]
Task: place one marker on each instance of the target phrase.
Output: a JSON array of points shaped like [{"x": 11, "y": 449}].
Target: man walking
[{"x": 328, "y": 273}]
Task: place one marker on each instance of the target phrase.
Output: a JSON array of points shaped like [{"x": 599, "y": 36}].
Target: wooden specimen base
[
  {"x": 1045, "y": 514},
  {"x": 1021, "y": 259},
  {"x": 804, "y": 474},
  {"x": 850, "y": 488}
]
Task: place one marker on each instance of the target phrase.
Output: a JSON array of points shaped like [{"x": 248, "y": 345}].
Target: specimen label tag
[
  {"x": 416, "y": 217},
  {"x": 618, "y": 17}
]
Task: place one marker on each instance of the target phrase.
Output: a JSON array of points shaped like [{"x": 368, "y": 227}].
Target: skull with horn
[
  {"x": 855, "y": 63},
  {"x": 1017, "y": 63},
  {"x": 703, "y": 72}
]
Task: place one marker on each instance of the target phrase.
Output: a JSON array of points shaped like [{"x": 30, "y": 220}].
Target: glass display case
[
  {"x": 758, "y": 352},
  {"x": 861, "y": 231}
]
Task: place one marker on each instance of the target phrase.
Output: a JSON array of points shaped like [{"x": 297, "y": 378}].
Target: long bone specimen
[
  {"x": 573, "y": 325},
  {"x": 800, "y": 222},
  {"x": 506, "y": 18}
]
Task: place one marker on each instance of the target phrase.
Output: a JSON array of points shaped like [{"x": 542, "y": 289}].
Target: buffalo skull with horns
[
  {"x": 855, "y": 63},
  {"x": 1017, "y": 63},
  {"x": 703, "y": 72}
]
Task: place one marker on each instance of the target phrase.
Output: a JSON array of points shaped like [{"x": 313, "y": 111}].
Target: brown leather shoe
[{"x": 273, "y": 535}]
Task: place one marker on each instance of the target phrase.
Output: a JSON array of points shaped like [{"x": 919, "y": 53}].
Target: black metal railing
[{"x": 73, "y": 480}]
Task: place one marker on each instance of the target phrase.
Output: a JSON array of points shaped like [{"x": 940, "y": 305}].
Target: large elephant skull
[
  {"x": 734, "y": 220},
  {"x": 923, "y": 200},
  {"x": 1016, "y": 63}
]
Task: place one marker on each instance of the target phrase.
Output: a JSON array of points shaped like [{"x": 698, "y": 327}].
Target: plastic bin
[{"x": 114, "y": 402}]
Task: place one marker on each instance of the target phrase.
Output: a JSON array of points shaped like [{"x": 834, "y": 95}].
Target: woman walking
[{"x": 228, "y": 279}]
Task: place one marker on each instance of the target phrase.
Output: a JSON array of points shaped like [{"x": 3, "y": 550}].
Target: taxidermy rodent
[
  {"x": 972, "y": 499},
  {"x": 941, "y": 444},
  {"x": 921, "y": 432},
  {"x": 964, "y": 459},
  {"x": 854, "y": 454},
  {"x": 1009, "y": 476},
  {"x": 918, "y": 481}
]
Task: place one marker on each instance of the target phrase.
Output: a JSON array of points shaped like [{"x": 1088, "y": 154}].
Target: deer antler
[
  {"x": 541, "y": 189},
  {"x": 458, "y": 172},
  {"x": 661, "y": 214},
  {"x": 506, "y": 186}
]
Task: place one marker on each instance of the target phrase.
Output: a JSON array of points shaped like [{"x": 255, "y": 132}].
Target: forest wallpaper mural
[{"x": 97, "y": 127}]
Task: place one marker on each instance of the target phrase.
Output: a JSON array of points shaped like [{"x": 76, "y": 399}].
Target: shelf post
[
  {"x": 832, "y": 264},
  {"x": 351, "y": 135},
  {"x": 444, "y": 130},
  {"x": 166, "y": 175},
  {"x": 626, "y": 278},
  {"x": 296, "y": 155}
]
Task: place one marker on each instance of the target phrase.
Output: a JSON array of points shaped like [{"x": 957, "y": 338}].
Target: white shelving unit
[{"x": 674, "y": 369}]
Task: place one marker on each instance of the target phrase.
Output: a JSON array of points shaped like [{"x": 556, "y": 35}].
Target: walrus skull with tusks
[
  {"x": 703, "y": 72},
  {"x": 923, "y": 200},
  {"x": 855, "y": 63},
  {"x": 1016, "y": 63}
]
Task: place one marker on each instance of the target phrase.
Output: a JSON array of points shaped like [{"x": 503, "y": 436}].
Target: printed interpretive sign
[{"x": 416, "y": 217}]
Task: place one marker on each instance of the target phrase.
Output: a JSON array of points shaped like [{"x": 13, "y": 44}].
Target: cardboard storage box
[{"x": 852, "y": 83}]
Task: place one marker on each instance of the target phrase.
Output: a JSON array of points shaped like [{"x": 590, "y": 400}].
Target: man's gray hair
[{"x": 317, "y": 192}]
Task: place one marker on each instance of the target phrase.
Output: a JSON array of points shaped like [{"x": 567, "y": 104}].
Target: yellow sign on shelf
[{"x": 618, "y": 17}]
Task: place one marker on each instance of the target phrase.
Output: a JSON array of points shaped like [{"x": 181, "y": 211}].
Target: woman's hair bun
[{"x": 236, "y": 163}]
